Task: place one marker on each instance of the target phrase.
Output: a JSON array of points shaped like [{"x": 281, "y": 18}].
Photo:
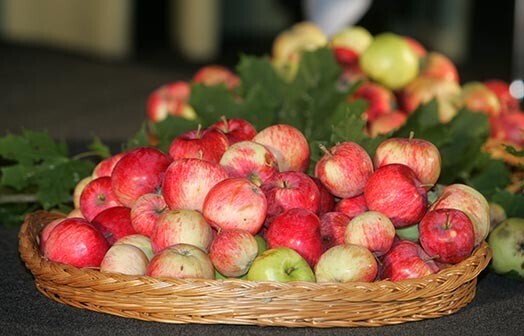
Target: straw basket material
[{"x": 298, "y": 304}]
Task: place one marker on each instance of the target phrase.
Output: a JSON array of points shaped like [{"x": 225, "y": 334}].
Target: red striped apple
[
  {"x": 372, "y": 230},
  {"x": 352, "y": 206},
  {"x": 233, "y": 251},
  {"x": 214, "y": 74},
  {"x": 181, "y": 261},
  {"x": 332, "y": 227},
  {"x": 170, "y": 99},
  {"x": 406, "y": 260},
  {"x": 97, "y": 196},
  {"x": 207, "y": 144},
  {"x": 145, "y": 212},
  {"x": 114, "y": 223},
  {"x": 105, "y": 167},
  {"x": 235, "y": 129}
]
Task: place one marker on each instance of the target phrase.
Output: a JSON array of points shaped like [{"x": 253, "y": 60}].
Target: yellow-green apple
[
  {"x": 97, "y": 196},
  {"x": 236, "y": 129},
  {"x": 145, "y": 212},
  {"x": 214, "y": 74},
  {"x": 352, "y": 206},
  {"x": 422, "y": 156},
  {"x": 379, "y": 98},
  {"x": 181, "y": 226},
  {"x": 327, "y": 199},
  {"x": 140, "y": 171},
  {"x": 471, "y": 202},
  {"x": 478, "y": 98},
  {"x": 287, "y": 144},
  {"x": 207, "y": 144},
  {"x": 233, "y": 251},
  {"x": 406, "y": 260},
  {"x": 235, "y": 203},
  {"x": 439, "y": 66},
  {"x": 349, "y": 43},
  {"x": 76, "y": 212},
  {"x": 386, "y": 123},
  {"x": 396, "y": 191},
  {"x": 500, "y": 88},
  {"x": 298, "y": 229},
  {"x": 344, "y": 169},
  {"x": 170, "y": 99},
  {"x": 124, "y": 259},
  {"x": 280, "y": 264},
  {"x": 44, "y": 234},
  {"x": 251, "y": 160},
  {"x": 346, "y": 263},
  {"x": 114, "y": 223},
  {"x": 290, "y": 189},
  {"x": 105, "y": 167},
  {"x": 181, "y": 261},
  {"x": 140, "y": 241},
  {"x": 371, "y": 229},
  {"x": 447, "y": 235},
  {"x": 79, "y": 187},
  {"x": 417, "y": 47},
  {"x": 390, "y": 60},
  {"x": 509, "y": 128},
  {"x": 76, "y": 242},
  {"x": 332, "y": 227},
  {"x": 507, "y": 243},
  {"x": 187, "y": 182}
]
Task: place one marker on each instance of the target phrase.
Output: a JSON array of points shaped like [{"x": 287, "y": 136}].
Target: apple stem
[
  {"x": 447, "y": 224},
  {"x": 226, "y": 124},
  {"x": 325, "y": 150},
  {"x": 411, "y": 135},
  {"x": 200, "y": 154},
  {"x": 427, "y": 185},
  {"x": 290, "y": 270},
  {"x": 199, "y": 131}
]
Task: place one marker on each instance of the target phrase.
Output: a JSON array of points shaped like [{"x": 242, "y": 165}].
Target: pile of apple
[{"x": 231, "y": 201}]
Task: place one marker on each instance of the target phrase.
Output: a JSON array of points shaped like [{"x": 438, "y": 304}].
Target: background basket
[{"x": 298, "y": 304}]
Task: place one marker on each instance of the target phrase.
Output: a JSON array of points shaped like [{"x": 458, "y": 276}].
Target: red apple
[
  {"x": 379, "y": 98},
  {"x": 290, "y": 189},
  {"x": 181, "y": 261},
  {"x": 478, "y": 98},
  {"x": 76, "y": 242},
  {"x": 105, "y": 167},
  {"x": 298, "y": 229},
  {"x": 170, "y": 99},
  {"x": 44, "y": 234},
  {"x": 420, "y": 155},
  {"x": 407, "y": 260},
  {"x": 349, "y": 43},
  {"x": 387, "y": 123},
  {"x": 372, "y": 230},
  {"x": 140, "y": 171},
  {"x": 235, "y": 129},
  {"x": 97, "y": 196},
  {"x": 288, "y": 145},
  {"x": 233, "y": 251},
  {"x": 500, "y": 88},
  {"x": 208, "y": 144},
  {"x": 216, "y": 74},
  {"x": 250, "y": 160},
  {"x": 346, "y": 263},
  {"x": 447, "y": 235},
  {"x": 395, "y": 191},
  {"x": 114, "y": 223},
  {"x": 181, "y": 226},
  {"x": 416, "y": 46},
  {"x": 352, "y": 206},
  {"x": 146, "y": 211},
  {"x": 344, "y": 169},
  {"x": 235, "y": 203},
  {"x": 327, "y": 199},
  {"x": 439, "y": 66},
  {"x": 187, "y": 182},
  {"x": 509, "y": 127},
  {"x": 124, "y": 259},
  {"x": 332, "y": 227}
]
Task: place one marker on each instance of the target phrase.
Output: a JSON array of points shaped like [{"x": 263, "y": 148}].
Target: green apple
[
  {"x": 356, "y": 38},
  {"x": 262, "y": 244},
  {"x": 280, "y": 264},
  {"x": 390, "y": 61},
  {"x": 507, "y": 243},
  {"x": 408, "y": 233}
]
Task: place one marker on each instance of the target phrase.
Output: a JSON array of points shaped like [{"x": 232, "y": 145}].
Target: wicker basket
[{"x": 298, "y": 304}]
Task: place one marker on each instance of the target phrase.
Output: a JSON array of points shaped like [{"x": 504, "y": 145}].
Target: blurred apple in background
[
  {"x": 387, "y": 123},
  {"x": 346, "y": 263},
  {"x": 170, "y": 99},
  {"x": 501, "y": 89},
  {"x": 507, "y": 243},
  {"x": 478, "y": 98},
  {"x": 214, "y": 74},
  {"x": 416, "y": 46},
  {"x": 439, "y": 66},
  {"x": 349, "y": 44},
  {"x": 379, "y": 98}
]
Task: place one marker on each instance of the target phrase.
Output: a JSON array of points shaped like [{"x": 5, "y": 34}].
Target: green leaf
[
  {"x": 99, "y": 148},
  {"x": 31, "y": 147},
  {"x": 169, "y": 128},
  {"x": 511, "y": 150},
  {"x": 13, "y": 214},
  {"x": 212, "y": 102},
  {"x": 513, "y": 204},
  {"x": 140, "y": 139},
  {"x": 18, "y": 176},
  {"x": 489, "y": 176}
]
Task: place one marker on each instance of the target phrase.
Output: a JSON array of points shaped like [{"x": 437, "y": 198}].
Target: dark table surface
[{"x": 74, "y": 98}]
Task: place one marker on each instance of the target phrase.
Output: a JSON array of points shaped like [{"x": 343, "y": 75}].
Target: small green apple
[
  {"x": 280, "y": 264},
  {"x": 507, "y": 243},
  {"x": 262, "y": 244},
  {"x": 408, "y": 233}
]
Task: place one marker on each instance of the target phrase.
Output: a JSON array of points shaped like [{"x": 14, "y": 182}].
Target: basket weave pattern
[{"x": 298, "y": 304}]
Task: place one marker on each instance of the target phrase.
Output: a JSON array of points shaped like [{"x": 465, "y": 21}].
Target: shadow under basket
[{"x": 295, "y": 304}]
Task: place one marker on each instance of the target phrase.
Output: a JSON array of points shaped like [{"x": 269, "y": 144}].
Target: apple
[
  {"x": 439, "y": 66},
  {"x": 352, "y": 206},
  {"x": 395, "y": 191},
  {"x": 298, "y": 229},
  {"x": 181, "y": 226},
  {"x": 181, "y": 261},
  {"x": 208, "y": 144},
  {"x": 327, "y": 199},
  {"x": 346, "y": 263},
  {"x": 146, "y": 211},
  {"x": 478, "y": 98},
  {"x": 250, "y": 160},
  {"x": 114, "y": 223},
  {"x": 235, "y": 129},
  {"x": 420, "y": 155},
  {"x": 290, "y": 189},
  {"x": 233, "y": 251},
  {"x": 416, "y": 46},
  {"x": 471, "y": 202},
  {"x": 140, "y": 241},
  {"x": 140, "y": 171},
  {"x": 76, "y": 242},
  {"x": 500, "y": 88},
  {"x": 97, "y": 196},
  {"x": 371, "y": 229},
  {"x": 170, "y": 99},
  {"x": 105, "y": 167},
  {"x": 44, "y": 234},
  {"x": 187, "y": 182},
  {"x": 379, "y": 98},
  {"x": 76, "y": 212},
  {"x": 344, "y": 169},
  {"x": 280, "y": 264},
  {"x": 507, "y": 243},
  {"x": 214, "y": 74},
  {"x": 406, "y": 260},
  {"x": 287, "y": 144},
  {"x": 235, "y": 203},
  {"x": 124, "y": 259},
  {"x": 349, "y": 43},
  {"x": 509, "y": 128},
  {"x": 447, "y": 235},
  {"x": 390, "y": 61},
  {"x": 386, "y": 123},
  {"x": 332, "y": 227},
  {"x": 79, "y": 187}
]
